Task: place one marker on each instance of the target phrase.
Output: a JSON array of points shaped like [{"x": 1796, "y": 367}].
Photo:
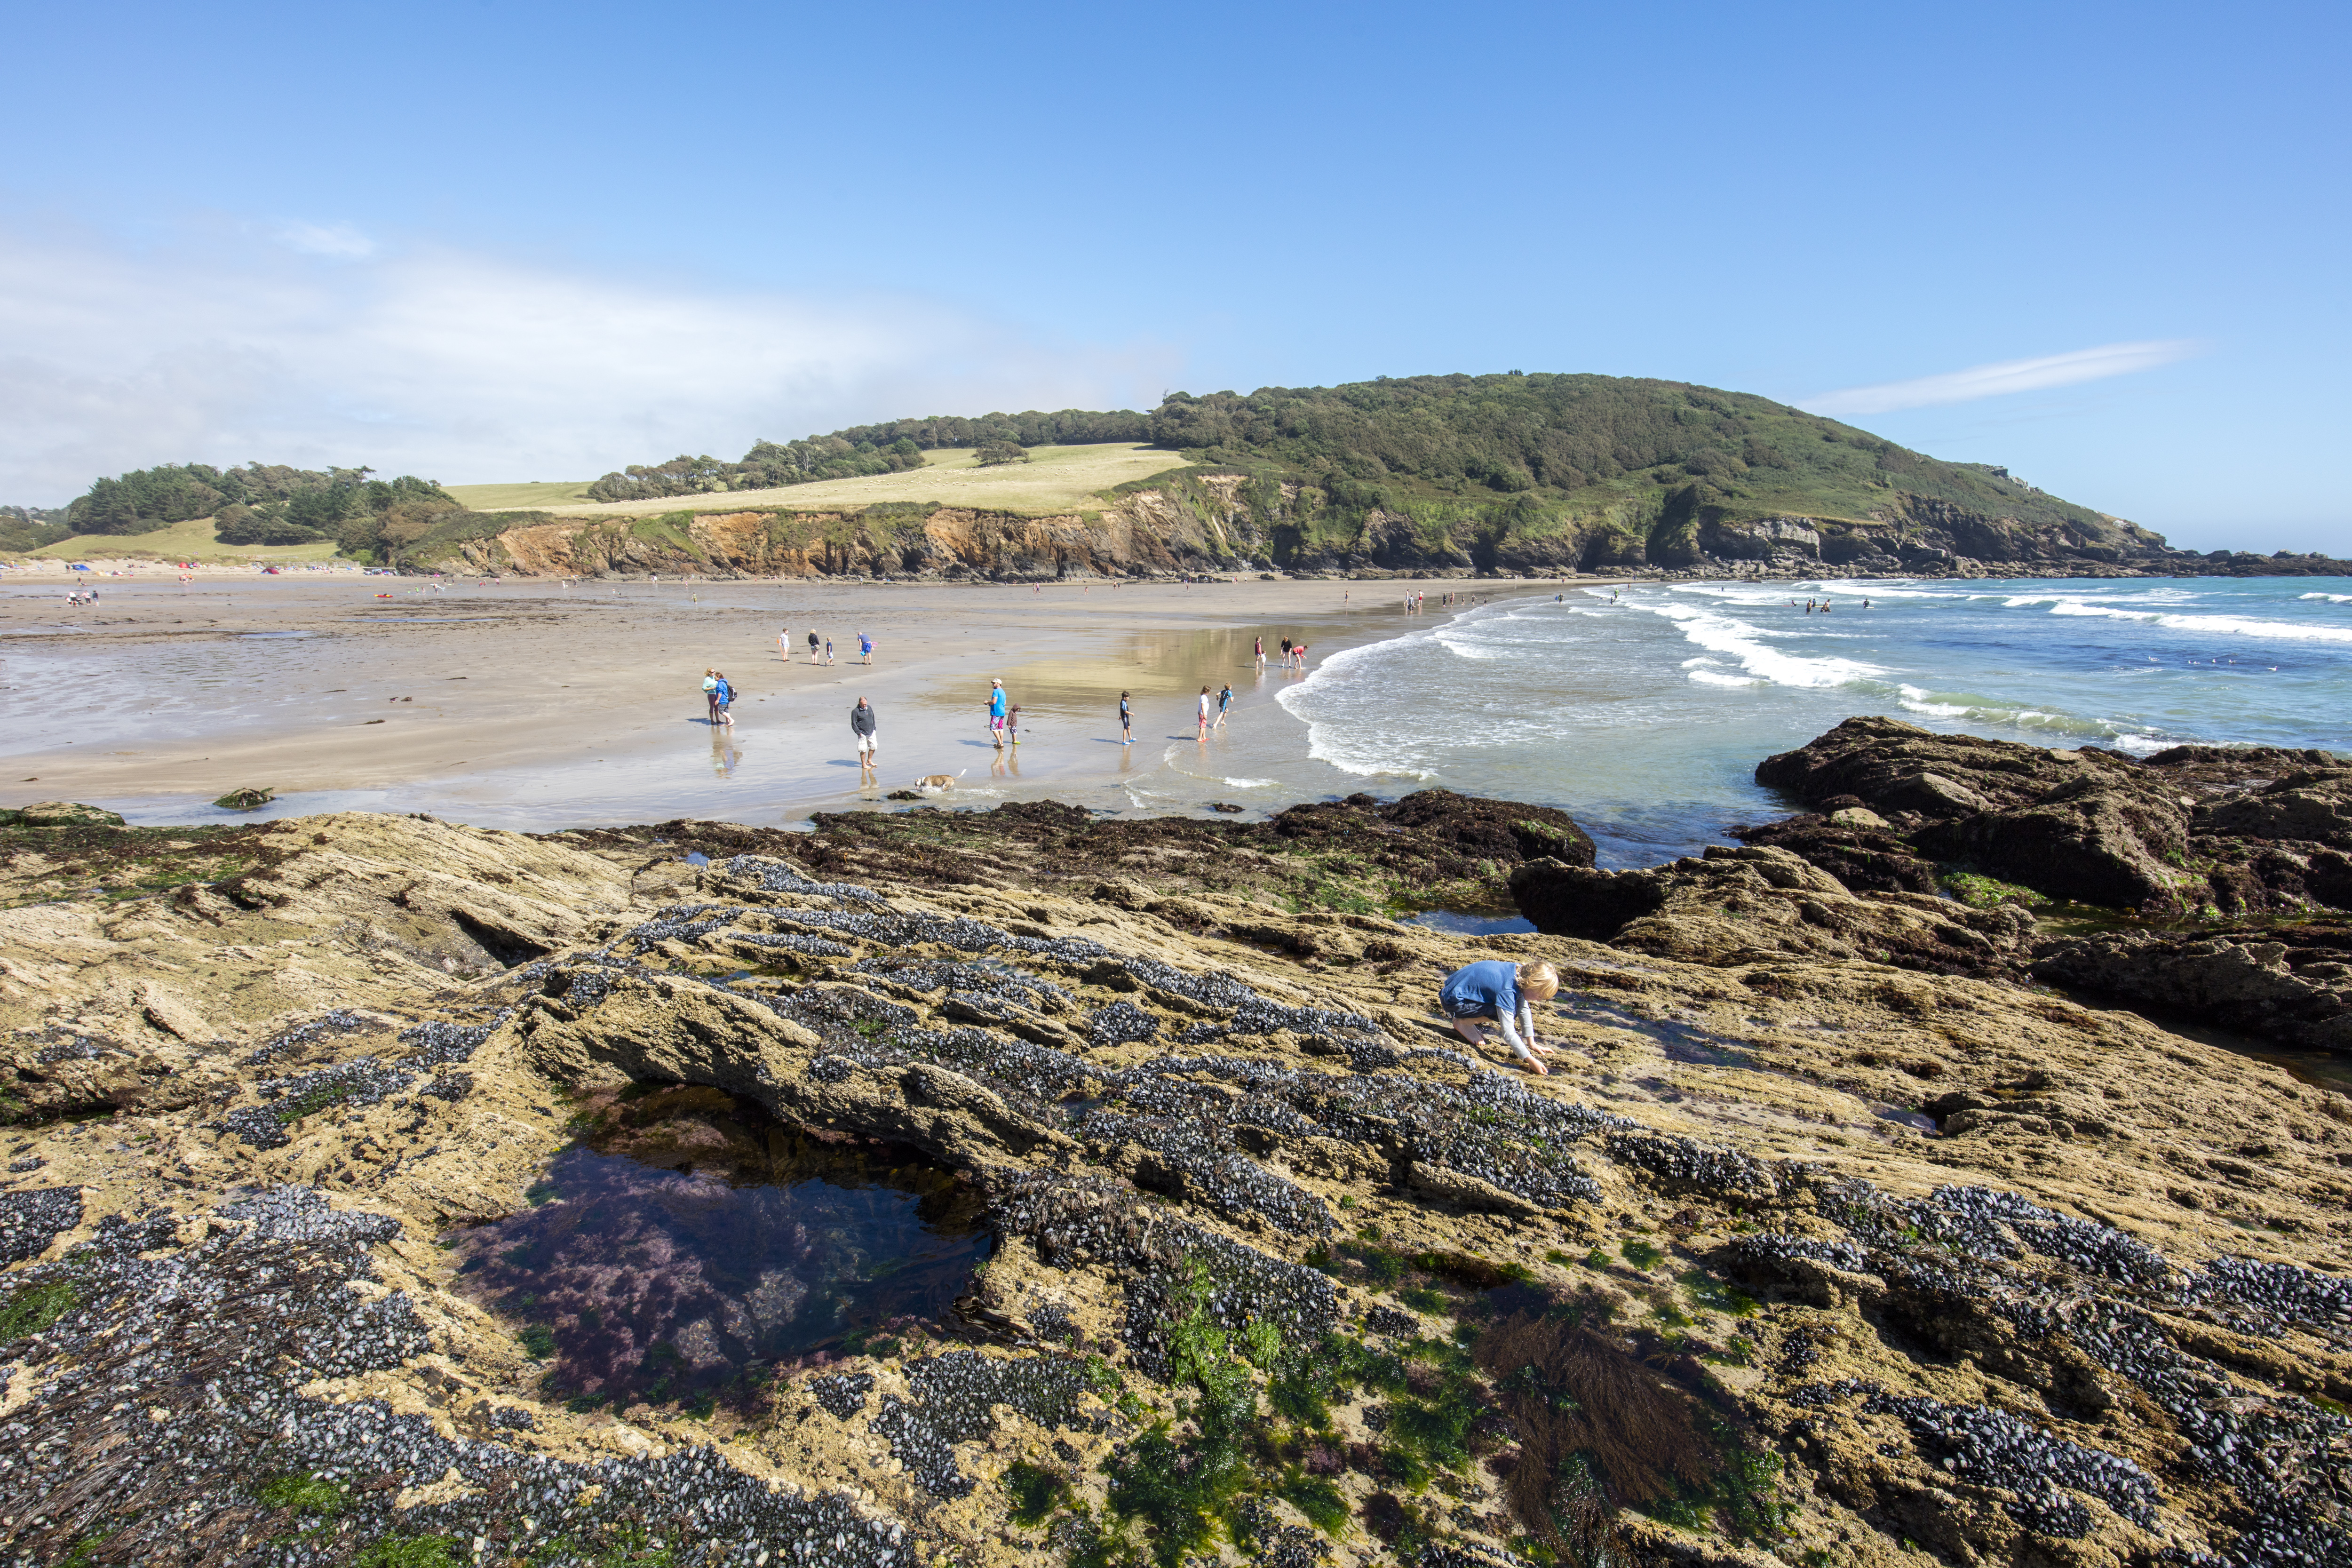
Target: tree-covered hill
[
  {"x": 1596, "y": 438},
  {"x": 1538, "y": 471},
  {"x": 1534, "y": 471}
]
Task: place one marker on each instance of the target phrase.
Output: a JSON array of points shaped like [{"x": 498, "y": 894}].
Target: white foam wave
[
  {"x": 1722, "y": 634},
  {"x": 2223, "y": 625},
  {"x": 1250, "y": 783},
  {"x": 2331, "y": 598}
]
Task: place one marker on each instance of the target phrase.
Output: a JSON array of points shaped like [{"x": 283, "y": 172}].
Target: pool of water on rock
[{"x": 690, "y": 1245}]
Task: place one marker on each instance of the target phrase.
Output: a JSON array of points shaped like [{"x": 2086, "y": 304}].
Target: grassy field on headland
[
  {"x": 191, "y": 540},
  {"x": 1055, "y": 479},
  {"x": 535, "y": 496}
]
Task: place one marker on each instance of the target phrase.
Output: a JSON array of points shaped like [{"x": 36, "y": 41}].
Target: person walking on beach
[
  {"x": 1260, "y": 653},
  {"x": 1503, "y": 993},
  {"x": 1204, "y": 712},
  {"x": 1126, "y": 721},
  {"x": 861, "y": 730},
  {"x": 814, "y": 641},
  {"x": 1013, "y": 725},
  {"x": 828, "y": 650},
  {"x": 710, "y": 695},
  {"x": 997, "y": 712},
  {"x": 865, "y": 649},
  {"x": 1225, "y": 701},
  {"x": 785, "y": 644}
]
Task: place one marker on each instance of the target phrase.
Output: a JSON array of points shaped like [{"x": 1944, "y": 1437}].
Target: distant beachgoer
[
  {"x": 865, "y": 649},
  {"x": 828, "y": 650},
  {"x": 1286, "y": 650},
  {"x": 814, "y": 641},
  {"x": 1013, "y": 725},
  {"x": 1298, "y": 652},
  {"x": 1126, "y": 721},
  {"x": 711, "y": 693},
  {"x": 785, "y": 644},
  {"x": 997, "y": 712},
  {"x": 1259, "y": 653},
  {"x": 1225, "y": 701},
  {"x": 861, "y": 726},
  {"x": 1503, "y": 992},
  {"x": 1204, "y": 712}
]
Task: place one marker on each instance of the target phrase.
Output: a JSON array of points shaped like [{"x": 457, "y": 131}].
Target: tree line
[{"x": 860, "y": 449}]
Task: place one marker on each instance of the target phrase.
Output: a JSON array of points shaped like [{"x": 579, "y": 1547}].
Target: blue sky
[{"x": 492, "y": 240}]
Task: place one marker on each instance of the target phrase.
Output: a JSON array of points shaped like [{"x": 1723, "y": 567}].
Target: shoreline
[{"x": 357, "y": 703}]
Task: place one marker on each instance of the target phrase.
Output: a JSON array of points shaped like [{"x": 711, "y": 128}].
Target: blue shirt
[
  {"x": 1493, "y": 983},
  {"x": 996, "y": 703}
]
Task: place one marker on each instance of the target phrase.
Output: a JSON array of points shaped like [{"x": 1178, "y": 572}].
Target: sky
[{"x": 2103, "y": 245}]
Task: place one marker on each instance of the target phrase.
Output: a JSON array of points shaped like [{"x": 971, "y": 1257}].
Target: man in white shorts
[{"x": 861, "y": 725}]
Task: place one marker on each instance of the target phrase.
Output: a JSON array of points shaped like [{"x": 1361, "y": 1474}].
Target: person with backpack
[{"x": 726, "y": 699}]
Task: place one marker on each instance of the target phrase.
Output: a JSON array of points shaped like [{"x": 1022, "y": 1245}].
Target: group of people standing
[
  {"x": 821, "y": 649},
  {"x": 1293, "y": 655}
]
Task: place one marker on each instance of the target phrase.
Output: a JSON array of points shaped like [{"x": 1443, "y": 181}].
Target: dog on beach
[{"x": 938, "y": 784}]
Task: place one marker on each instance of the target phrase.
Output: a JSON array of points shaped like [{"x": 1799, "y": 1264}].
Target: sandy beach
[{"x": 533, "y": 704}]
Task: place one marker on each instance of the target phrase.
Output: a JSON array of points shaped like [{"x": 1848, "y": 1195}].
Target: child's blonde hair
[{"x": 1541, "y": 981}]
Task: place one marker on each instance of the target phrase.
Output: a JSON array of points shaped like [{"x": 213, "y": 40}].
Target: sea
[{"x": 1643, "y": 710}]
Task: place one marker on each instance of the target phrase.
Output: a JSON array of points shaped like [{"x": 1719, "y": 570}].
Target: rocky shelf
[{"x": 1831, "y": 1236}]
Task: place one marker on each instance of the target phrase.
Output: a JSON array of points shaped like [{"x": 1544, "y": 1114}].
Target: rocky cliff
[
  {"x": 1798, "y": 1255},
  {"x": 1208, "y": 520}
]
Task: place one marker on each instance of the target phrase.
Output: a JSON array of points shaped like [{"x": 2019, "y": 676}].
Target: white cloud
[
  {"x": 337, "y": 239},
  {"x": 1998, "y": 380},
  {"x": 225, "y": 347}
]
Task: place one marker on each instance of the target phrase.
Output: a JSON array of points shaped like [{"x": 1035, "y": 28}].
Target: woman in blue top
[{"x": 1504, "y": 991}]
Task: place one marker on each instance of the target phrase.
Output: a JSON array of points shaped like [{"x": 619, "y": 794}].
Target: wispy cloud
[
  {"x": 1999, "y": 380},
  {"x": 231, "y": 344},
  {"x": 337, "y": 239}
]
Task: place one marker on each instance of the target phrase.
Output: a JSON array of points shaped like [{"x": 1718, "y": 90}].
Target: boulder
[
  {"x": 1739, "y": 906},
  {"x": 60, "y": 814},
  {"x": 2312, "y": 805},
  {"x": 1499, "y": 829},
  {"x": 250, "y": 798},
  {"x": 2290, "y": 984},
  {"x": 2227, "y": 829},
  {"x": 1853, "y": 845},
  {"x": 2088, "y": 841}
]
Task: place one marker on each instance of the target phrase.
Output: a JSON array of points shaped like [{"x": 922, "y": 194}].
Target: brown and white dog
[{"x": 938, "y": 784}]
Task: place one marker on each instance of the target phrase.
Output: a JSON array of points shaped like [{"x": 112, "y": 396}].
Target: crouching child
[{"x": 1505, "y": 993}]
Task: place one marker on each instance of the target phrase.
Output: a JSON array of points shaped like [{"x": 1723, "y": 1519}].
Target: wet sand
[{"x": 527, "y": 704}]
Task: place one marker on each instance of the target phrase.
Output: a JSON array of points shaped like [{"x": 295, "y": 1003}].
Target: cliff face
[
  {"x": 1228, "y": 522},
  {"x": 1795, "y": 1257}
]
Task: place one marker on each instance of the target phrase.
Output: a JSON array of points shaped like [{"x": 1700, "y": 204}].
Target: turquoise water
[{"x": 1643, "y": 711}]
